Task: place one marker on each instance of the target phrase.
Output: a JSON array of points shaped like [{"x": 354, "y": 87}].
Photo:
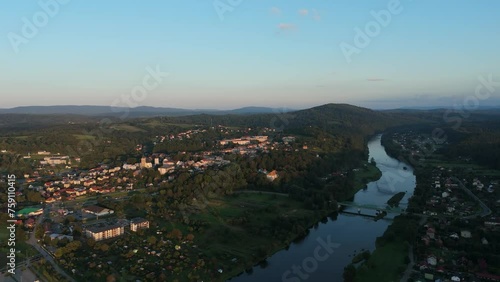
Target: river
[{"x": 332, "y": 243}]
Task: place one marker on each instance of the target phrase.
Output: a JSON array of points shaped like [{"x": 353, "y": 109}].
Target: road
[
  {"x": 21, "y": 275},
  {"x": 34, "y": 242},
  {"x": 409, "y": 267},
  {"x": 260, "y": 192},
  {"x": 486, "y": 211}
]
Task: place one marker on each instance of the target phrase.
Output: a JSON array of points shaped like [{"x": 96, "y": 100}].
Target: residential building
[
  {"x": 492, "y": 221},
  {"x": 138, "y": 223},
  {"x": 29, "y": 212},
  {"x": 56, "y": 160},
  {"x": 99, "y": 233},
  {"x": 465, "y": 234},
  {"x": 98, "y": 211},
  {"x": 272, "y": 175},
  {"x": 165, "y": 169}
]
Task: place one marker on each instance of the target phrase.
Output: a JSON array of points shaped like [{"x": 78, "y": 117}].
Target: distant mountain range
[
  {"x": 144, "y": 111},
  {"x": 344, "y": 119}
]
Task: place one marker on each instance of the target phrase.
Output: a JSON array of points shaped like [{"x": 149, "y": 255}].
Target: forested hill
[
  {"x": 134, "y": 112},
  {"x": 341, "y": 120},
  {"x": 334, "y": 119},
  {"x": 12, "y": 123},
  {"x": 353, "y": 122},
  {"x": 345, "y": 125},
  {"x": 348, "y": 118}
]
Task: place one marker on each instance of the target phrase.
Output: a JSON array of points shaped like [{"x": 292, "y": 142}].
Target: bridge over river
[{"x": 387, "y": 208}]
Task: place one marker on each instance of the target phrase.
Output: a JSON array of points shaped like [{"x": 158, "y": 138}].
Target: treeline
[
  {"x": 473, "y": 135},
  {"x": 481, "y": 144}
]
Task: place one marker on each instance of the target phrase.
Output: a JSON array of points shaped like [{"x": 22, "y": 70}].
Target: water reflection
[{"x": 353, "y": 233}]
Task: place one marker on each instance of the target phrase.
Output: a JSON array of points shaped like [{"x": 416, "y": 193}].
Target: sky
[{"x": 227, "y": 54}]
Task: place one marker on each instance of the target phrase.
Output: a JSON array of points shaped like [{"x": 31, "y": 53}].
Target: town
[
  {"x": 101, "y": 206},
  {"x": 457, "y": 239}
]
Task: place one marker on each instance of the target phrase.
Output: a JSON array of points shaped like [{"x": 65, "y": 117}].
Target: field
[
  {"x": 233, "y": 244},
  {"x": 47, "y": 272},
  {"x": 230, "y": 233},
  {"x": 365, "y": 175},
  {"x": 156, "y": 123},
  {"x": 4, "y": 232},
  {"x": 127, "y": 127},
  {"x": 23, "y": 249},
  {"x": 385, "y": 264},
  {"x": 470, "y": 167},
  {"x": 84, "y": 137}
]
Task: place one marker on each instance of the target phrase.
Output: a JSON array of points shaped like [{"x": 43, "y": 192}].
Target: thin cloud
[
  {"x": 275, "y": 11},
  {"x": 375, "y": 79},
  {"x": 313, "y": 13},
  {"x": 304, "y": 12},
  {"x": 286, "y": 27}
]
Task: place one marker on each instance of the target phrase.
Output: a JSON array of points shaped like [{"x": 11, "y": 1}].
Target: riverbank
[
  {"x": 364, "y": 175},
  {"x": 369, "y": 173},
  {"x": 390, "y": 257},
  {"x": 268, "y": 224},
  {"x": 351, "y": 234}
]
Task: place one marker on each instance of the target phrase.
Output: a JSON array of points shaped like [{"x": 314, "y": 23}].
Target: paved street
[
  {"x": 33, "y": 241},
  {"x": 25, "y": 275}
]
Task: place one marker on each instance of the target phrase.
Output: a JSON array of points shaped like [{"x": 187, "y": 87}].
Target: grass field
[
  {"x": 84, "y": 137},
  {"x": 385, "y": 264},
  {"x": 23, "y": 249},
  {"x": 46, "y": 270},
  {"x": 227, "y": 241},
  {"x": 4, "y": 232},
  {"x": 126, "y": 127},
  {"x": 474, "y": 168},
  {"x": 157, "y": 123},
  {"x": 364, "y": 176}
]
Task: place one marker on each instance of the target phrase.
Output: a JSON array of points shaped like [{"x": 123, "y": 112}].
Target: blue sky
[{"x": 260, "y": 53}]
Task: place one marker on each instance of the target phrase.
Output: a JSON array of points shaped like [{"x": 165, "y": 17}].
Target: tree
[
  {"x": 73, "y": 246},
  {"x": 34, "y": 196},
  {"x": 104, "y": 247},
  {"x": 152, "y": 240},
  {"x": 59, "y": 253},
  {"x": 366, "y": 255},
  {"x": 175, "y": 234},
  {"x": 110, "y": 278},
  {"x": 349, "y": 273},
  {"x": 90, "y": 242},
  {"x": 77, "y": 233},
  {"x": 39, "y": 231},
  {"x": 20, "y": 234}
]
